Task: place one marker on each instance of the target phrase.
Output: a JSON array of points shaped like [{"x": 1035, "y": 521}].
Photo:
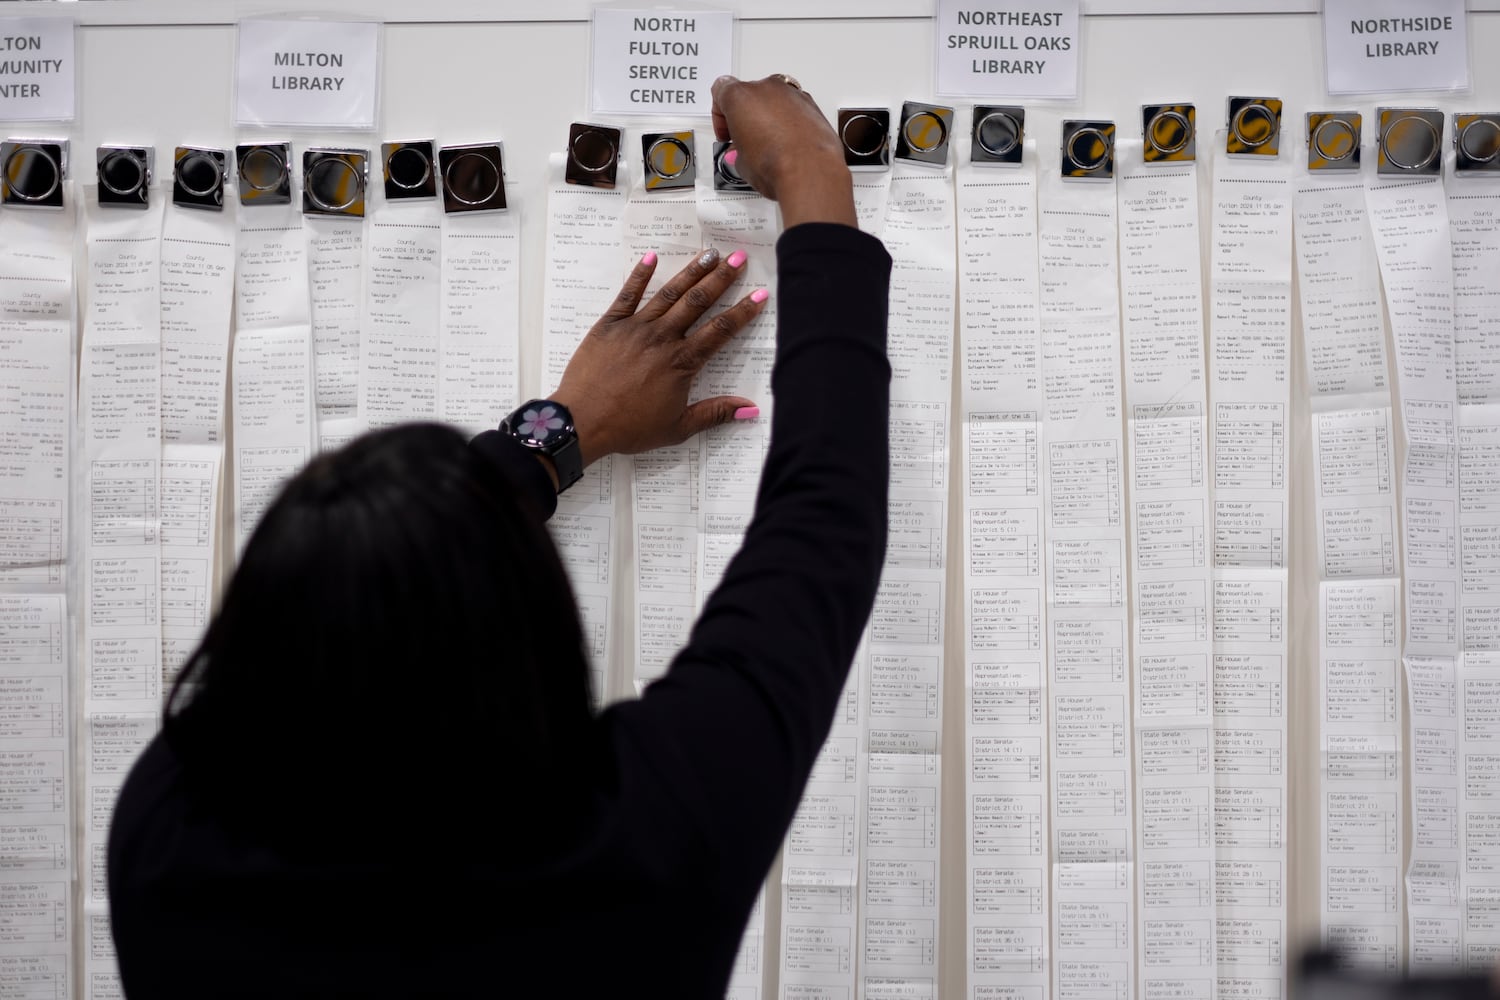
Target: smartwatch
[{"x": 546, "y": 428}]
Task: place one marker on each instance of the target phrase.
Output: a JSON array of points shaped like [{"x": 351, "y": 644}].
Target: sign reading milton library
[
  {"x": 1377, "y": 46},
  {"x": 651, "y": 61},
  {"x": 995, "y": 48},
  {"x": 308, "y": 74}
]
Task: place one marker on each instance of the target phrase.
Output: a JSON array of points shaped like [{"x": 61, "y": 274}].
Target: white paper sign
[
  {"x": 315, "y": 74},
  {"x": 1005, "y": 48},
  {"x": 37, "y": 72},
  {"x": 652, "y": 61},
  {"x": 1377, "y": 46}
]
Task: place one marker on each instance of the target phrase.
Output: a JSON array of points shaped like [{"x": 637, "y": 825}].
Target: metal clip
[
  {"x": 1254, "y": 126},
  {"x": 124, "y": 174},
  {"x": 1170, "y": 133},
  {"x": 1088, "y": 149},
  {"x": 334, "y": 181},
  {"x": 865, "y": 134},
  {"x": 924, "y": 132},
  {"x": 726, "y": 178},
  {"x": 593, "y": 155},
  {"x": 1333, "y": 140},
  {"x": 473, "y": 177},
  {"x": 1411, "y": 142},
  {"x": 198, "y": 177},
  {"x": 998, "y": 134},
  {"x": 407, "y": 169},
  {"x": 265, "y": 173},
  {"x": 32, "y": 172},
  {"x": 1477, "y": 138},
  {"x": 669, "y": 160}
]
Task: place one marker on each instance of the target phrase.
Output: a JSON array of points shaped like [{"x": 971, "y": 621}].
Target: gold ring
[{"x": 790, "y": 81}]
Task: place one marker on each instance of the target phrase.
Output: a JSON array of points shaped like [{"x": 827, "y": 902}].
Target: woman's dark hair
[{"x": 399, "y": 640}]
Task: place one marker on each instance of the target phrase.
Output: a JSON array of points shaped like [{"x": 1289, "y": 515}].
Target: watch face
[{"x": 541, "y": 422}]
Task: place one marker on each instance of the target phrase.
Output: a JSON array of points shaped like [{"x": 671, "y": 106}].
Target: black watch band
[{"x": 545, "y": 427}]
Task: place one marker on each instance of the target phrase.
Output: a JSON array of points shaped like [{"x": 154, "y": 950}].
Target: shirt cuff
[{"x": 521, "y": 468}]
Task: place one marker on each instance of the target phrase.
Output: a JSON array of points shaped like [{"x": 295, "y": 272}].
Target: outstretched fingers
[
  {"x": 633, "y": 290},
  {"x": 713, "y": 335}
]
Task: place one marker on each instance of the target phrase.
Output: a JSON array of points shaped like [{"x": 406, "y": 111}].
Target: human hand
[
  {"x": 785, "y": 148},
  {"x": 627, "y": 383}
]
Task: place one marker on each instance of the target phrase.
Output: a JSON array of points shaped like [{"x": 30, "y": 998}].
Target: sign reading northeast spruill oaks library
[
  {"x": 1375, "y": 46},
  {"x": 994, "y": 48},
  {"x": 37, "y": 71},
  {"x": 307, "y": 74},
  {"x": 652, "y": 61}
]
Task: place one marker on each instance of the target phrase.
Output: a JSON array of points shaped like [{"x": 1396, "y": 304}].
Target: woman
[{"x": 380, "y": 775}]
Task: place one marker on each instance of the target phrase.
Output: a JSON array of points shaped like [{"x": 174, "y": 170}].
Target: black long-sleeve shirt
[{"x": 698, "y": 779}]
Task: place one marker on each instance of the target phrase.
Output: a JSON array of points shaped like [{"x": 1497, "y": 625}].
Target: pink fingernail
[
  {"x": 650, "y": 259},
  {"x": 731, "y": 156},
  {"x": 759, "y": 295},
  {"x": 747, "y": 413},
  {"x": 736, "y": 259}
]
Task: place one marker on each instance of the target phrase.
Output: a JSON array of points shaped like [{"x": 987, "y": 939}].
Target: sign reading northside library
[
  {"x": 37, "y": 72},
  {"x": 1006, "y": 48},
  {"x": 1375, "y": 46},
  {"x": 307, "y": 74},
  {"x": 653, "y": 61}
]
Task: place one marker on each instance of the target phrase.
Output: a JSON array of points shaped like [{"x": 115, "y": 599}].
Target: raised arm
[{"x": 733, "y": 729}]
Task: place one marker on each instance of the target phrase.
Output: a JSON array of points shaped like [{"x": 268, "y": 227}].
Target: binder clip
[
  {"x": 1088, "y": 150},
  {"x": 726, "y": 178},
  {"x": 1477, "y": 138},
  {"x": 1254, "y": 126},
  {"x": 1170, "y": 133},
  {"x": 32, "y": 172},
  {"x": 1333, "y": 140},
  {"x": 198, "y": 177},
  {"x": 407, "y": 169},
  {"x": 265, "y": 173},
  {"x": 473, "y": 177},
  {"x": 923, "y": 136},
  {"x": 998, "y": 133},
  {"x": 669, "y": 161},
  {"x": 866, "y": 137},
  {"x": 333, "y": 182},
  {"x": 124, "y": 174},
  {"x": 1411, "y": 142},
  {"x": 593, "y": 158}
]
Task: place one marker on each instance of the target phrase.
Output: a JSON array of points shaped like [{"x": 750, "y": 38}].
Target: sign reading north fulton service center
[{"x": 654, "y": 61}]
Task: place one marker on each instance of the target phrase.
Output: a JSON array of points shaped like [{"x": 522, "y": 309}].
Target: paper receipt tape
[
  {"x": 32, "y": 172},
  {"x": 1169, "y": 133},
  {"x": 593, "y": 155},
  {"x": 1410, "y": 142},
  {"x": 198, "y": 177},
  {"x": 1254, "y": 126},
  {"x": 1477, "y": 139},
  {"x": 124, "y": 175},
  {"x": 334, "y": 180},
  {"x": 265, "y": 173},
  {"x": 1333, "y": 139},
  {"x": 473, "y": 177},
  {"x": 1088, "y": 150},
  {"x": 997, "y": 133}
]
